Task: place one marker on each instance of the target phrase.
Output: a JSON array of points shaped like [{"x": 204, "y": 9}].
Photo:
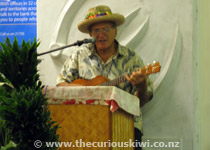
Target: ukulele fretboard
[{"x": 114, "y": 82}]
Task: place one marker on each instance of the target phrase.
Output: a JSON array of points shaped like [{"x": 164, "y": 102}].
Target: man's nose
[{"x": 100, "y": 33}]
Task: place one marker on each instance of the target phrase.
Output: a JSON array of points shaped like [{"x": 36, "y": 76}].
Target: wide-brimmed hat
[{"x": 100, "y": 14}]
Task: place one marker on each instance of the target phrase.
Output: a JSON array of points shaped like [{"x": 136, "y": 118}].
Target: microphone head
[
  {"x": 93, "y": 40},
  {"x": 90, "y": 40}
]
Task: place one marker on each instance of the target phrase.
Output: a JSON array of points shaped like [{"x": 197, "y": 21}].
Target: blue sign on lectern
[{"x": 18, "y": 18}]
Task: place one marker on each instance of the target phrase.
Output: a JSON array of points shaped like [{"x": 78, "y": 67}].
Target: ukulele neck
[
  {"x": 147, "y": 70},
  {"x": 114, "y": 82}
]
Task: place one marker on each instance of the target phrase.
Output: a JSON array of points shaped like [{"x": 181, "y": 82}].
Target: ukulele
[{"x": 102, "y": 81}]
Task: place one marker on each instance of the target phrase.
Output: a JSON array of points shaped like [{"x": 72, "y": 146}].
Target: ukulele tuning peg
[
  {"x": 148, "y": 65},
  {"x": 155, "y": 63},
  {"x": 151, "y": 68}
]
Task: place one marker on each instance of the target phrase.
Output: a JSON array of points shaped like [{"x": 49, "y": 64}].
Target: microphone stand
[{"x": 78, "y": 43}]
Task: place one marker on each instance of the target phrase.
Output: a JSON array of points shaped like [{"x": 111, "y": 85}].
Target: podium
[{"x": 93, "y": 117}]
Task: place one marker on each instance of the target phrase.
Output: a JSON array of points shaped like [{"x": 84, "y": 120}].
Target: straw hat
[{"x": 99, "y": 14}]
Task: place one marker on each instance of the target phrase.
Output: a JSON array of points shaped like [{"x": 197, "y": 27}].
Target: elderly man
[{"x": 107, "y": 58}]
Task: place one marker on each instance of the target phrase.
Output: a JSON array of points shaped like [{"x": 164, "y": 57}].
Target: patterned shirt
[{"x": 85, "y": 63}]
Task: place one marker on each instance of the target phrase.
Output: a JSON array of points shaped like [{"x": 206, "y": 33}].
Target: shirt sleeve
[{"x": 69, "y": 71}]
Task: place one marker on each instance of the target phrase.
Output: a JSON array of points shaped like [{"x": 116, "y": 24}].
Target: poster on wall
[{"x": 18, "y": 18}]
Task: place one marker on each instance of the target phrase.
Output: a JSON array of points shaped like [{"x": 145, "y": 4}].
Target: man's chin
[{"x": 102, "y": 46}]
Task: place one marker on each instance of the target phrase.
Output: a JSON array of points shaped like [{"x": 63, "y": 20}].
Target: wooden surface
[{"x": 92, "y": 123}]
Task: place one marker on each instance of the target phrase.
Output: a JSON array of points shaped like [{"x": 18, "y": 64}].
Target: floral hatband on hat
[{"x": 100, "y": 14}]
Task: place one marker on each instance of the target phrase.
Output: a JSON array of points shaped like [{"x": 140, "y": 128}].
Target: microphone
[
  {"x": 78, "y": 43},
  {"x": 90, "y": 40}
]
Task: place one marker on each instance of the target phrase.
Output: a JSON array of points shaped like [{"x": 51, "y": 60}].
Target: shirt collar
[{"x": 119, "y": 48}]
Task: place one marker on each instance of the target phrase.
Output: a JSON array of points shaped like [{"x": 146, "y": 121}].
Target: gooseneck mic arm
[{"x": 78, "y": 43}]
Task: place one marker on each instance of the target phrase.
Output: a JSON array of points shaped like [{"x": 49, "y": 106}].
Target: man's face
[{"x": 105, "y": 33}]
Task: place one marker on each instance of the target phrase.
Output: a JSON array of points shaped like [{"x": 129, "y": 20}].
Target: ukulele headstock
[{"x": 151, "y": 68}]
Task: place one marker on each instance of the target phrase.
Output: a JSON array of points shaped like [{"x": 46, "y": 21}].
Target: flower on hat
[{"x": 97, "y": 14}]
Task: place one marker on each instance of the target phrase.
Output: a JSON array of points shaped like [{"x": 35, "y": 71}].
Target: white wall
[{"x": 157, "y": 30}]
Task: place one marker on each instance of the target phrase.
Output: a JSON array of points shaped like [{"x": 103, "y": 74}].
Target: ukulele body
[{"x": 93, "y": 82}]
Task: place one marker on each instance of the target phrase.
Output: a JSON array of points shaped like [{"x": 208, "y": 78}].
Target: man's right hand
[{"x": 63, "y": 84}]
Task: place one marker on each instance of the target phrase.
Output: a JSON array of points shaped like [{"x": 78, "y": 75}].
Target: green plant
[
  {"x": 5, "y": 89},
  {"x": 10, "y": 146},
  {"x": 4, "y": 133},
  {"x": 28, "y": 118},
  {"x": 23, "y": 107},
  {"x": 19, "y": 65}
]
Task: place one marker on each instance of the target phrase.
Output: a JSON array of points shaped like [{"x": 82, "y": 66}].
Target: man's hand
[
  {"x": 68, "y": 84},
  {"x": 139, "y": 80}
]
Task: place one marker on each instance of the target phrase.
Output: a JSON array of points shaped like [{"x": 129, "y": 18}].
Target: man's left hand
[{"x": 139, "y": 80}]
